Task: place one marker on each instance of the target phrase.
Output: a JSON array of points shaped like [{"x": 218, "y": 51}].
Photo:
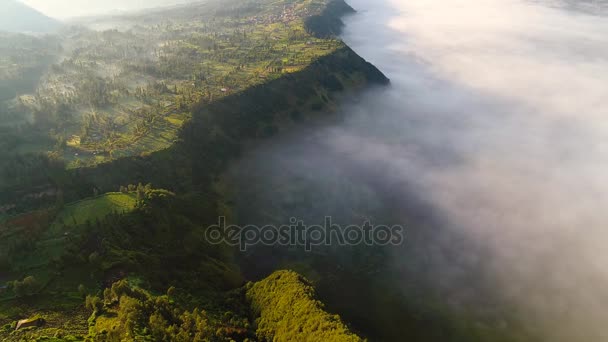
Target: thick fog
[
  {"x": 516, "y": 93},
  {"x": 496, "y": 122}
]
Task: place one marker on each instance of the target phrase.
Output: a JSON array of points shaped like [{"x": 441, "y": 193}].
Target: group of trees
[
  {"x": 287, "y": 309},
  {"x": 283, "y": 308},
  {"x": 95, "y": 91},
  {"x": 130, "y": 313},
  {"x": 105, "y": 69},
  {"x": 29, "y": 286}
]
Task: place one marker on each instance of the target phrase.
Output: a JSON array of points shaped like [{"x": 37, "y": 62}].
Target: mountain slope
[{"x": 18, "y": 17}]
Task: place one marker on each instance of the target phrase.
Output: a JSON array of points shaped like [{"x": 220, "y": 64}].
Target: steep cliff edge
[
  {"x": 217, "y": 131},
  {"x": 329, "y": 23}
]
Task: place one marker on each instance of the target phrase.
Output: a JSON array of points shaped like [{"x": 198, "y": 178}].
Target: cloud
[
  {"x": 517, "y": 94},
  {"x": 494, "y": 128}
]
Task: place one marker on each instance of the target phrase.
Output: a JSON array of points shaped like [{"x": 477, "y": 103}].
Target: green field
[
  {"x": 93, "y": 209},
  {"x": 34, "y": 247},
  {"x": 36, "y": 241}
]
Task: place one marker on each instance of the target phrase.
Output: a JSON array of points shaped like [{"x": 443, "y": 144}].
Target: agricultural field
[
  {"x": 33, "y": 246},
  {"x": 34, "y": 253},
  {"x": 93, "y": 209},
  {"x": 124, "y": 86},
  {"x": 136, "y": 264},
  {"x": 33, "y": 242}
]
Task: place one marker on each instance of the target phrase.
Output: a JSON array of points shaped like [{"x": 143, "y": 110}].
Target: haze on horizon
[{"x": 65, "y": 9}]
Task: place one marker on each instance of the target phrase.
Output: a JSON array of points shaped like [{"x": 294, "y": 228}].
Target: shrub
[
  {"x": 94, "y": 304},
  {"x": 26, "y": 288}
]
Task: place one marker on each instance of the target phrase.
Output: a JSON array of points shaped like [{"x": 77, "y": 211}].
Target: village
[{"x": 99, "y": 106}]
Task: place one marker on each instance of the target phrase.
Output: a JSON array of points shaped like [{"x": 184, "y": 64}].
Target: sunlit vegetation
[
  {"x": 287, "y": 309},
  {"x": 280, "y": 308},
  {"x": 144, "y": 231},
  {"x": 95, "y": 209},
  {"x": 87, "y": 251},
  {"x": 126, "y": 312},
  {"x": 128, "y": 91}
]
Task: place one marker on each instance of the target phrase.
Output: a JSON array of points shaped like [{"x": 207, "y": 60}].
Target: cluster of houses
[{"x": 287, "y": 15}]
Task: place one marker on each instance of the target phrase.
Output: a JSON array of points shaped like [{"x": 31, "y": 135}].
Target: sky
[{"x": 63, "y": 9}]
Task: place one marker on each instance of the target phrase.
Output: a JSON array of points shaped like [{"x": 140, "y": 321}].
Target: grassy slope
[
  {"x": 53, "y": 241},
  {"x": 94, "y": 209}
]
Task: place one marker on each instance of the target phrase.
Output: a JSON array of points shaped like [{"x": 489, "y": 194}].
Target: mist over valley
[{"x": 146, "y": 147}]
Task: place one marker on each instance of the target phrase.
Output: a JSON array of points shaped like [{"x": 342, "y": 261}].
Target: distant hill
[{"x": 18, "y": 17}]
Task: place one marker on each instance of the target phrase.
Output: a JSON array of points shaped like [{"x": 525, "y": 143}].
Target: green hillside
[
  {"x": 127, "y": 91},
  {"x": 136, "y": 264}
]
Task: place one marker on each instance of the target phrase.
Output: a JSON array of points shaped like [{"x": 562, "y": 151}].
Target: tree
[
  {"x": 94, "y": 303},
  {"x": 171, "y": 292},
  {"x": 94, "y": 259},
  {"x": 141, "y": 193},
  {"x": 82, "y": 290},
  {"x": 26, "y": 288}
]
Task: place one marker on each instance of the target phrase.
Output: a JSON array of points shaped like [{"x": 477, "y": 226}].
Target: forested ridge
[
  {"x": 102, "y": 246},
  {"x": 123, "y": 138}
]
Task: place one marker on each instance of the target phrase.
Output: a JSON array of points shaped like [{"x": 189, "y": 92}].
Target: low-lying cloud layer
[
  {"x": 517, "y": 93},
  {"x": 496, "y": 121}
]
